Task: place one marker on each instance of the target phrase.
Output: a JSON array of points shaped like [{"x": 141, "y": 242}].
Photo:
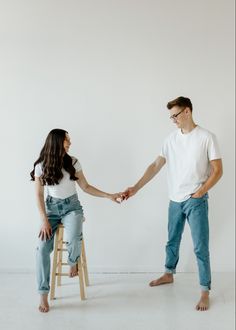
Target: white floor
[{"x": 118, "y": 302}]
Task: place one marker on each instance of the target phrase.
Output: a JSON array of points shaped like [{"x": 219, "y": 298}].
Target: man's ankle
[{"x": 169, "y": 274}]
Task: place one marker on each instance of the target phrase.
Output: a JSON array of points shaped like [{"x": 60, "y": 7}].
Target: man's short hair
[{"x": 180, "y": 101}]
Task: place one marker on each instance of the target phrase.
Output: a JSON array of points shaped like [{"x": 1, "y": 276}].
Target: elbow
[
  {"x": 217, "y": 169},
  {"x": 40, "y": 197},
  {"x": 39, "y": 193},
  {"x": 220, "y": 173},
  {"x": 85, "y": 188}
]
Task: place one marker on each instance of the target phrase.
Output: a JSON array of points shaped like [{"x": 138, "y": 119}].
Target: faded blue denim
[
  {"x": 195, "y": 210},
  {"x": 69, "y": 212}
]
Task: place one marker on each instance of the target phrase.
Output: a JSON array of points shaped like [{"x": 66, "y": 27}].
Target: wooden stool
[{"x": 58, "y": 263}]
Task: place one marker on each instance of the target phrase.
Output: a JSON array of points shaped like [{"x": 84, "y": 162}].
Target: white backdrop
[{"x": 104, "y": 71}]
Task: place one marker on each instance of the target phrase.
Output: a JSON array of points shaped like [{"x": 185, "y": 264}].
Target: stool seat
[{"x": 58, "y": 263}]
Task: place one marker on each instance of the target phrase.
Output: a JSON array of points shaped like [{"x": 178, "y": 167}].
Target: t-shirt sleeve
[
  {"x": 77, "y": 165},
  {"x": 213, "y": 148},
  {"x": 38, "y": 170}
]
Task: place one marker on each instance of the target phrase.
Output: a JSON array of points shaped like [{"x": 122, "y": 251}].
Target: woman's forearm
[
  {"x": 41, "y": 206},
  {"x": 95, "y": 192}
]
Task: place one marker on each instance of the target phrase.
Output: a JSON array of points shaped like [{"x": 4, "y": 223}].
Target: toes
[
  {"x": 73, "y": 271},
  {"x": 43, "y": 309},
  {"x": 201, "y": 308},
  {"x": 154, "y": 283},
  {"x": 73, "y": 274}
]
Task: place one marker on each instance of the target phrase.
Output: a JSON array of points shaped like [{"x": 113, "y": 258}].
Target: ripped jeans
[{"x": 69, "y": 212}]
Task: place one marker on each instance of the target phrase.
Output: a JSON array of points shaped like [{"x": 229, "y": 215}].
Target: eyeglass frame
[{"x": 173, "y": 117}]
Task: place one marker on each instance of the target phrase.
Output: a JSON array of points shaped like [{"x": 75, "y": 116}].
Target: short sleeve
[
  {"x": 77, "y": 165},
  {"x": 38, "y": 170},
  {"x": 213, "y": 148}
]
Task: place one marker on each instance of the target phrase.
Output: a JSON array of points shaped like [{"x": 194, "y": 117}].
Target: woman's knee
[
  {"x": 44, "y": 248},
  {"x": 74, "y": 239}
]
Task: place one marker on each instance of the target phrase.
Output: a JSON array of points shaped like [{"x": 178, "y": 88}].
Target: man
[{"x": 194, "y": 165}]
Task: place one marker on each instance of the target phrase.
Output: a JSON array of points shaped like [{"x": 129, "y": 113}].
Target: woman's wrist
[
  {"x": 136, "y": 188},
  {"x": 107, "y": 195},
  {"x": 44, "y": 219}
]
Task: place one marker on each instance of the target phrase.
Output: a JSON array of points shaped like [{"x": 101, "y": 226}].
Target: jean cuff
[
  {"x": 170, "y": 271},
  {"x": 205, "y": 288},
  {"x": 70, "y": 263},
  {"x": 43, "y": 292}
]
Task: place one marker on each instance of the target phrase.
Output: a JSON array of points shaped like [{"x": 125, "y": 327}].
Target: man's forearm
[
  {"x": 150, "y": 172},
  {"x": 211, "y": 181},
  {"x": 148, "y": 175}
]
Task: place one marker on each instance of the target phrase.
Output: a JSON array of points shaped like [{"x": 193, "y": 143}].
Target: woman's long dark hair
[{"x": 53, "y": 158}]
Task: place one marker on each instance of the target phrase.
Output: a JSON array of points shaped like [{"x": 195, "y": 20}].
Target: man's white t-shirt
[
  {"x": 66, "y": 187},
  {"x": 188, "y": 159}
]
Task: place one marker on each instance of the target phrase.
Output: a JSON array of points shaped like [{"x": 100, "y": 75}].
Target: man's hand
[
  {"x": 197, "y": 194},
  {"x": 45, "y": 231},
  {"x": 129, "y": 192}
]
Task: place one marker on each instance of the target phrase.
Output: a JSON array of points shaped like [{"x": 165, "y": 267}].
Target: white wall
[{"x": 104, "y": 71}]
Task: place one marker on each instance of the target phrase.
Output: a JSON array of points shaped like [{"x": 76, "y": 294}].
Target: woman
[{"x": 57, "y": 172}]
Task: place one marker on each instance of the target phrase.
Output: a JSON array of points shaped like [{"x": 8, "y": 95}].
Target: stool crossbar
[{"x": 58, "y": 263}]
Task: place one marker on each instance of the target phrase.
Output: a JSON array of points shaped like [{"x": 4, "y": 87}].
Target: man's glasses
[{"x": 173, "y": 117}]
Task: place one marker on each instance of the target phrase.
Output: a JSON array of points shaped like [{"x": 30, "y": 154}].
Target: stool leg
[
  {"x": 60, "y": 247},
  {"x": 81, "y": 280},
  {"x": 54, "y": 266},
  {"x": 84, "y": 264}
]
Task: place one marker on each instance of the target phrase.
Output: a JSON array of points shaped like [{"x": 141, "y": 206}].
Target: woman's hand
[{"x": 45, "y": 231}]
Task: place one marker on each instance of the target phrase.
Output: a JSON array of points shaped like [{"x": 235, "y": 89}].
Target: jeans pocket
[
  {"x": 205, "y": 196},
  {"x": 196, "y": 203}
]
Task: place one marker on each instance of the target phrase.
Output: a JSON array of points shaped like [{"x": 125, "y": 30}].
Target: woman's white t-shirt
[
  {"x": 188, "y": 159},
  {"x": 66, "y": 187}
]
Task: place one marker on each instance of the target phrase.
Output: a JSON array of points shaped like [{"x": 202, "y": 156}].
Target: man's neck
[{"x": 188, "y": 127}]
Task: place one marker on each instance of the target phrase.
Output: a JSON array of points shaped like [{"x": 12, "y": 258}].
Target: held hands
[
  {"x": 121, "y": 196},
  {"x": 117, "y": 198},
  {"x": 129, "y": 192}
]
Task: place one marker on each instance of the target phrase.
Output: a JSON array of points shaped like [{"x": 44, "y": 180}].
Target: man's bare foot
[
  {"x": 164, "y": 279},
  {"x": 203, "y": 303},
  {"x": 73, "y": 271},
  {"x": 43, "y": 306}
]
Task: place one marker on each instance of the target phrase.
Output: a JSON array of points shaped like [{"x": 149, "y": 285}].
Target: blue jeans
[
  {"x": 195, "y": 210},
  {"x": 69, "y": 212}
]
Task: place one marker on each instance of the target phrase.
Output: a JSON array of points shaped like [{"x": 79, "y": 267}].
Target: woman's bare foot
[
  {"x": 43, "y": 306},
  {"x": 203, "y": 303},
  {"x": 73, "y": 271},
  {"x": 164, "y": 279}
]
